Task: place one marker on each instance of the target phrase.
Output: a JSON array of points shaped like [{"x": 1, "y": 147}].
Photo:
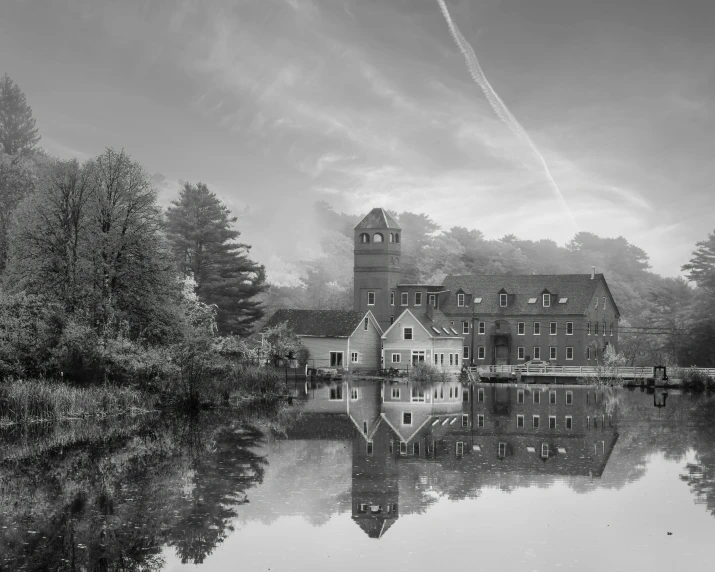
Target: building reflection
[{"x": 474, "y": 436}]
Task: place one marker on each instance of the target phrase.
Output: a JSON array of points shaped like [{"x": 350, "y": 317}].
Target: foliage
[
  {"x": 424, "y": 373},
  {"x": 18, "y": 178},
  {"x": 204, "y": 244},
  {"x": 18, "y": 133},
  {"x": 281, "y": 342},
  {"x": 33, "y": 400},
  {"x": 607, "y": 369},
  {"x": 696, "y": 380}
]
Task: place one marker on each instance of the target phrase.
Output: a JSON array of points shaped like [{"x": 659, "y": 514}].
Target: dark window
[
  {"x": 407, "y": 418},
  {"x": 407, "y": 334},
  {"x": 364, "y": 238},
  {"x": 365, "y": 323}
]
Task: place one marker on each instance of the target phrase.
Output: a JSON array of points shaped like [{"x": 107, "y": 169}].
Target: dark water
[{"x": 393, "y": 478}]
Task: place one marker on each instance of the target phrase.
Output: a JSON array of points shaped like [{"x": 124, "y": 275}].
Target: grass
[{"x": 32, "y": 401}]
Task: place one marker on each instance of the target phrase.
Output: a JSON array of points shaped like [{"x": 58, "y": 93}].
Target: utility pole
[{"x": 471, "y": 351}]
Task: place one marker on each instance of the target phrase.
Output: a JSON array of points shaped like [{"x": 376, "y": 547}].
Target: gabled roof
[
  {"x": 375, "y": 527},
  {"x": 377, "y": 218},
  {"x": 438, "y": 321},
  {"x": 319, "y": 323},
  {"x": 578, "y": 288}
]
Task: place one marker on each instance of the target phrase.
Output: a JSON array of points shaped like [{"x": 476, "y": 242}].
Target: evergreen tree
[
  {"x": 205, "y": 244},
  {"x": 18, "y": 134}
]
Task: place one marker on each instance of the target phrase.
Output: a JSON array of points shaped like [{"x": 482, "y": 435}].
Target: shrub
[
  {"x": 427, "y": 373},
  {"x": 696, "y": 380}
]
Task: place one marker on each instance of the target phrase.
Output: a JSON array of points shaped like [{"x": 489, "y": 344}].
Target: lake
[{"x": 363, "y": 475}]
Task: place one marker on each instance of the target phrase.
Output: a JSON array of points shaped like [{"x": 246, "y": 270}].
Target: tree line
[
  {"x": 94, "y": 271},
  {"x": 664, "y": 320}
]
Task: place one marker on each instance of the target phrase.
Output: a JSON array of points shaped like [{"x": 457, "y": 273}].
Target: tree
[
  {"x": 17, "y": 181},
  {"x": 18, "y": 134},
  {"x": 205, "y": 247},
  {"x": 701, "y": 268}
]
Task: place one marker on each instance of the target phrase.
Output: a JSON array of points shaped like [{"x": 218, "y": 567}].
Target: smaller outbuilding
[{"x": 337, "y": 339}]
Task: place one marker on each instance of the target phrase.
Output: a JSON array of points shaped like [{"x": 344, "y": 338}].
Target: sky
[{"x": 277, "y": 104}]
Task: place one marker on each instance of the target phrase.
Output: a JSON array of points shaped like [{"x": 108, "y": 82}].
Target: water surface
[{"x": 363, "y": 476}]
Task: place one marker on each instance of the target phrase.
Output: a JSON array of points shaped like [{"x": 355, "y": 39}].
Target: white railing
[{"x": 585, "y": 370}]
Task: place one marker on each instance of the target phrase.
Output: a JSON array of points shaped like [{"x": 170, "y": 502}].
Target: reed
[{"x": 33, "y": 400}]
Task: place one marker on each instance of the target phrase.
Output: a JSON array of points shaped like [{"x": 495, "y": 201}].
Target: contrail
[{"x": 500, "y": 108}]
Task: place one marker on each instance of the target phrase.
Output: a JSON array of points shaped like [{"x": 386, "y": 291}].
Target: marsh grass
[{"x": 32, "y": 401}]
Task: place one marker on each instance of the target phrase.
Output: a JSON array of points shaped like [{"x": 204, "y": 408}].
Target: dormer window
[
  {"x": 546, "y": 298},
  {"x": 432, "y": 300},
  {"x": 460, "y": 300},
  {"x": 364, "y": 238},
  {"x": 502, "y": 300}
]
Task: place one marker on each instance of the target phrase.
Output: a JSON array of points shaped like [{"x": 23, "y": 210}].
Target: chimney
[{"x": 593, "y": 272}]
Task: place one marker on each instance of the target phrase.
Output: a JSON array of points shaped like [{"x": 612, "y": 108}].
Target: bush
[
  {"x": 427, "y": 373},
  {"x": 696, "y": 380}
]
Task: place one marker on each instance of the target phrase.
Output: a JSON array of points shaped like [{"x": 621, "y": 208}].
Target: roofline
[
  {"x": 384, "y": 218},
  {"x": 416, "y": 320},
  {"x": 425, "y": 285},
  {"x": 369, "y": 315},
  {"x": 314, "y": 336}
]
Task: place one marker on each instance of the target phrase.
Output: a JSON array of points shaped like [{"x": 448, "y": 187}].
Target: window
[
  {"x": 611, "y": 328},
  {"x": 537, "y": 397},
  {"x": 502, "y": 300},
  {"x": 336, "y": 359},
  {"x": 596, "y": 306},
  {"x": 392, "y": 237},
  {"x": 377, "y": 237},
  {"x": 520, "y": 353},
  {"x": 604, "y": 302},
  {"x": 369, "y": 448},
  {"x": 537, "y": 328},
  {"x": 588, "y": 328},
  {"x": 480, "y": 395},
  {"x": 480, "y": 420},
  {"x": 535, "y": 421},
  {"x": 465, "y": 352},
  {"x": 353, "y": 357},
  {"x": 480, "y": 352},
  {"x": 482, "y": 328},
  {"x": 569, "y": 353},
  {"x": 520, "y": 396},
  {"x": 404, "y": 298},
  {"x": 460, "y": 300},
  {"x": 502, "y": 450},
  {"x": 569, "y": 422},
  {"x": 552, "y": 398},
  {"x": 364, "y": 427},
  {"x": 588, "y": 353},
  {"x": 406, "y": 418},
  {"x": 371, "y": 298},
  {"x": 365, "y": 323},
  {"x": 595, "y": 328},
  {"x": 520, "y": 421},
  {"x": 465, "y": 420},
  {"x": 397, "y": 237},
  {"x": 418, "y": 298},
  {"x": 569, "y": 328},
  {"x": 396, "y": 358},
  {"x": 403, "y": 448},
  {"x": 451, "y": 359},
  {"x": 392, "y": 319},
  {"x": 395, "y": 392},
  {"x": 552, "y": 328},
  {"x": 460, "y": 448},
  {"x": 465, "y": 327},
  {"x": 364, "y": 238},
  {"x": 418, "y": 394},
  {"x": 336, "y": 393},
  {"x": 407, "y": 333},
  {"x": 537, "y": 352},
  {"x": 465, "y": 395},
  {"x": 604, "y": 328},
  {"x": 569, "y": 398},
  {"x": 416, "y": 449},
  {"x": 547, "y": 300},
  {"x": 354, "y": 394},
  {"x": 392, "y": 298},
  {"x": 418, "y": 356},
  {"x": 544, "y": 451},
  {"x": 432, "y": 300},
  {"x": 521, "y": 328},
  {"x": 552, "y": 422},
  {"x": 552, "y": 353}
]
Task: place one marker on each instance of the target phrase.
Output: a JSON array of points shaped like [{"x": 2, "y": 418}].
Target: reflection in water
[{"x": 125, "y": 495}]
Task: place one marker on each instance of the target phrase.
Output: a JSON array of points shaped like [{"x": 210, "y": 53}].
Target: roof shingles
[
  {"x": 377, "y": 218},
  {"x": 318, "y": 323}
]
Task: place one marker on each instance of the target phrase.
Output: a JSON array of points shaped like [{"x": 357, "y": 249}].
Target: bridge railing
[{"x": 583, "y": 371}]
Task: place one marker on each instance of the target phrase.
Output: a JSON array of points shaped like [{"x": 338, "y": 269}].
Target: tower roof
[{"x": 377, "y": 218}]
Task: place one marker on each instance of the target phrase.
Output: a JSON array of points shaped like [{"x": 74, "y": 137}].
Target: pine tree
[
  {"x": 18, "y": 134},
  {"x": 205, "y": 244}
]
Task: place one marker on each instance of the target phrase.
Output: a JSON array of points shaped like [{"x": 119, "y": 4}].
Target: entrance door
[{"x": 502, "y": 355}]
